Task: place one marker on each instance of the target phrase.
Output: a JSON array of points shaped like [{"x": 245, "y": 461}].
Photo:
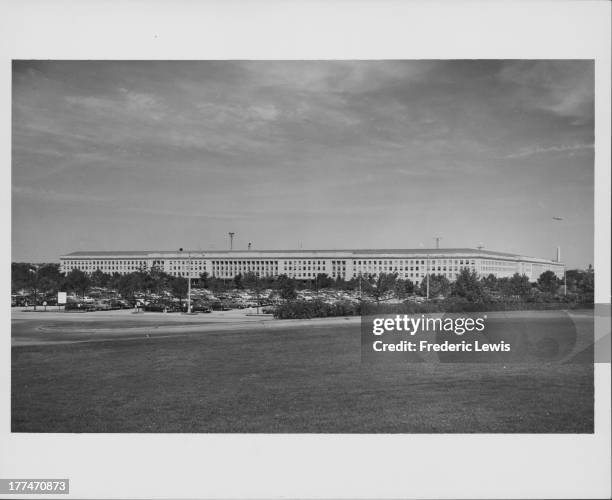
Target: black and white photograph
[
  {"x": 314, "y": 248},
  {"x": 215, "y": 230}
]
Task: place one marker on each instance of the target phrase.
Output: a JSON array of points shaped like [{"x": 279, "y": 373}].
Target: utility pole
[
  {"x": 188, "y": 281},
  {"x": 35, "y": 273},
  {"x": 427, "y": 275},
  {"x": 559, "y": 260},
  {"x": 437, "y": 238},
  {"x": 564, "y": 273},
  {"x": 426, "y": 271}
]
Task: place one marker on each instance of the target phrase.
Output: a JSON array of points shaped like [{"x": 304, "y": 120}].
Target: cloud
[
  {"x": 274, "y": 142},
  {"x": 96, "y": 104},
  {"x": 123, "y": 103},
  {"x": 266, "y": 112},
  {"x": 187, "y": 213},
  {"x": 530, "y": 151},
  {"x": 335, "y": 76},
  {"x": 565, "y": 88},
  {"x": 51, "y": 195},
  {"x": 143, "y": 103}
]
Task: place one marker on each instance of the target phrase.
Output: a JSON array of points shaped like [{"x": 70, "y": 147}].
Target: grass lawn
[{"x": 302, "y": 379}]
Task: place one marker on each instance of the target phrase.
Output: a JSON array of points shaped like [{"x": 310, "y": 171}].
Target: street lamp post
[
  {"x": 427, "y": 269},
  {"x": 35, "y": 273},
  {"x": 427, "y": 275},
  {"x": 564, "y": 281},
  {"x": 188, "y": 281},
  {"x": 555, "y": 219}
]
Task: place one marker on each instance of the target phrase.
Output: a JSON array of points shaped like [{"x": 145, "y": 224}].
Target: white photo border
[{"x": 313, "y": 466}]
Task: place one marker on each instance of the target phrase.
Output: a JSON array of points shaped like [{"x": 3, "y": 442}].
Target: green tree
[
  {"x": 250, "y": 280},
  {"x": 78, "y": 282},
  {"x": 144, "y": 282},
  {"x": 468, "y": 286},
  {"x": 33, "y": 283},
  {"x": 238, "y": 282},
  {"x": 382, "y": 287},
  {"x": 113, "y": 282},
  {"x": 204, "y": 279},
  {"x": 129, "y": 285},
  {"x": 159, "y": 281},
  {"x": 100, "y": 278},
  {"x": 548, "y": 282},
  {"x": 49, "y": 277},
  {"x": 178, "y": 287},
  {"x": 322, "y": 280},
  {"x": 518, "y": 286},
  {"x": 287, "y": 287},
  {"x": 587, "y": 285},
  {"x": 339, "y": 283},
  {"x": 438, "y": 286},
  {"x": 404, "y": 288},
  {"x": 490, "y": 283},
  {"x": 217, "y": 285},
  {"x": 256, "y": 284},
  {"x": 581, "y": 283},
  {"x": 20, "y": 276}
]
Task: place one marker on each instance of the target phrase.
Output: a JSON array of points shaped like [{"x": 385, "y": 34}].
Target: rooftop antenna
[
  {"x": 231, "y": 235},
  {"x": 480, "y": 246},
  {"x": 437, "y": 238}
]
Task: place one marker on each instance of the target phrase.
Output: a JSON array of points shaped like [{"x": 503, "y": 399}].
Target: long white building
[{"x": 306, "y": 264}]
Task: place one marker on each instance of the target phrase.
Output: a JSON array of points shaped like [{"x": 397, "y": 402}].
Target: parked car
[
  {"x": 219, "y": 306},
  {"x": 201, "y": 307},
  {"x": 102, "y": 305},
  {"x": 163, "y": 306},
  {"x": 80, "y": 306},
  {"x": 119, "y": 304},
  {"x": 155, "y": 307}
]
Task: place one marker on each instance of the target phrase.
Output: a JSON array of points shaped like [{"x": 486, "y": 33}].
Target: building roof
[
  {"x": 112, "y": 253},
  {"x": 396, "y": 251}
]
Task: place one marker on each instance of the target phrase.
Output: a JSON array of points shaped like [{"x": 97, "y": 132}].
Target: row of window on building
[
  {"x": 304, "y": 268},
  {"x": 106, "y": 266},
  {"x": 231, "y": 268}
]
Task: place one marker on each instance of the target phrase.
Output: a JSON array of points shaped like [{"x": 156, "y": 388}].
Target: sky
[{"x": 158, "y": 155}]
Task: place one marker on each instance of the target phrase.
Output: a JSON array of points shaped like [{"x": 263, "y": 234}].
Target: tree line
[
  {"x": 470, "y": 287},
  {"x": 46, "y": 279}
]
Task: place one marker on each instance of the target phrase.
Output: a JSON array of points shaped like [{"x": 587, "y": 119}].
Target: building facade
[{"x": 306, "y": 264}]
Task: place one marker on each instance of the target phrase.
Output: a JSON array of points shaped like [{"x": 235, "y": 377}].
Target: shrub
[{"x": 302, "y": 309}]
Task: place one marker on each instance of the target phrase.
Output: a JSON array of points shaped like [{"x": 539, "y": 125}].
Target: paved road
[{"x": 29, "y": 328}]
